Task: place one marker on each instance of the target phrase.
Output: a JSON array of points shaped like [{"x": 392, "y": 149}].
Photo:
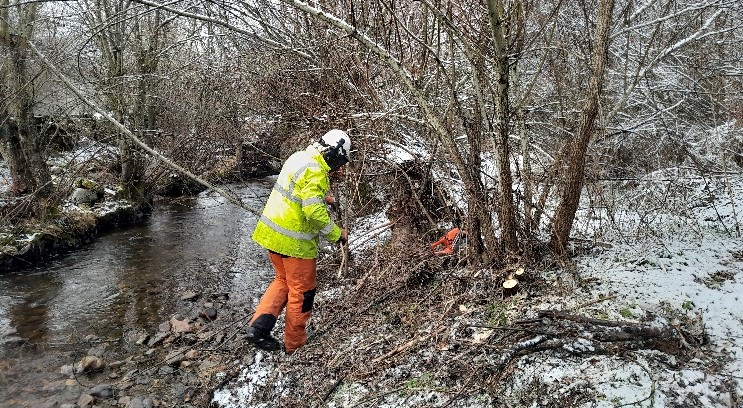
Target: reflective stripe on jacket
[{"x": 295, "y": 214}]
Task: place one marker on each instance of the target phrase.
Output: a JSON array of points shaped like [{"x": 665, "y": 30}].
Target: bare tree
[
  {"x": 131, "y": 42},
  {"x": 506, "y": 214},
  {"x": 575, "y": 152},
  {"x": 461, "y": 79},
  {"x": 20, "y": 144}
]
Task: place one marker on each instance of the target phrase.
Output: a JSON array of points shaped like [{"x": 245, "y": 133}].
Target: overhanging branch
[{"x": 152, "y": 152}]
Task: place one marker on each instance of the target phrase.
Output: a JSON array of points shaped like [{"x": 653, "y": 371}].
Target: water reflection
[
  {"x": 30, "y": 321},
  {"x": 133, "y": 278},
  {"x": 25, "y": 314}
]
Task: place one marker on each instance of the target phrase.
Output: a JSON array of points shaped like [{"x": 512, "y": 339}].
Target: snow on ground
[
  {"x": 670, "y": 247},
  {"x": 5, "y": 180},
  {"x": 690, "y": 265},
  {"x": 254, "y": 377},
  {"x": 699, "y": 277},
  {"x": 86, "y": 150},
  {"x": 369, "y": 231}
]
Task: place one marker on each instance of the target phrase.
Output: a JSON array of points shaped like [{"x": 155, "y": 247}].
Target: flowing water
[{"x": 128, "y": 280}]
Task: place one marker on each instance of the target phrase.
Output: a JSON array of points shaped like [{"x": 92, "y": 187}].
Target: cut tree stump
[
  {"x": 519, "y": 272},
  {"x": 510, "y": 286}
]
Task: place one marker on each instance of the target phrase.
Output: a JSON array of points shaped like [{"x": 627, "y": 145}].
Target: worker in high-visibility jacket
[{"x": 294, "y": 218}]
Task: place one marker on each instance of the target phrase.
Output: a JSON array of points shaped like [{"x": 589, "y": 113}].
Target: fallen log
[{"x": 581, "y": 335}]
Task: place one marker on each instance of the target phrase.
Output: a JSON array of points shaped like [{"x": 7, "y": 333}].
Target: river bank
[
  {"x": 645, "y": 321},
  {"x": 636, "y": 320},
  {"x": 33, "y": 242}
]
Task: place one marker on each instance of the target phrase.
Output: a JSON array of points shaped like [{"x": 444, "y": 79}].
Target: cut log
[{"x": 519, "y": 271}]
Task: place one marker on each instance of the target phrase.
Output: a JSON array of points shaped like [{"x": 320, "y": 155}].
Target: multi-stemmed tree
[{"x": 20, "y": 142}]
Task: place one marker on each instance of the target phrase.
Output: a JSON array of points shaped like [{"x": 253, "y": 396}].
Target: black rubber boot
[{"x": 262, "y": 340}]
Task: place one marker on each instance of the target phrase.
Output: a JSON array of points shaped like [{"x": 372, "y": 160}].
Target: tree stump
[{"x": 510, "y": 286}]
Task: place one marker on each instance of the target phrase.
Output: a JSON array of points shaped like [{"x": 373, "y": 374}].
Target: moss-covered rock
[
  {"x": 86, "y": 191},
  {"x": 69, "y": 230},
  {"x": 89, "y": 185}
]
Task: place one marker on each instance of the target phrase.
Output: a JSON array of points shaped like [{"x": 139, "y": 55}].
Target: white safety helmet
[{"x": 336, "y": 148}]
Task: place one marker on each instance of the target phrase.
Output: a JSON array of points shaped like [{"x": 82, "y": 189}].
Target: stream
[{"x": 129, "y": 279}]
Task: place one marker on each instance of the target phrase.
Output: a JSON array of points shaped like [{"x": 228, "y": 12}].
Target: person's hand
[
  {"x": 344, "y": 236},
  {"x": 330, "y": 200}
]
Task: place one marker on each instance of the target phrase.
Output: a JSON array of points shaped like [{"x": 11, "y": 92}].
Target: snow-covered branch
[
  {"x": 692, "y": 8},
  {"x": 402, "y": 73},
  {"x": 661, "y": 55}
]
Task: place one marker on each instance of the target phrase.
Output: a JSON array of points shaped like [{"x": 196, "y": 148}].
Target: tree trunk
[
  {"x": 483, "y": 241},
  {"x": 506, "y": 208},
  {"x": 21, "y": 147},
  {"x": 10, "y": 149},
  {"x": 575, "y": 153},
  {"x": 135, "y": 35}
]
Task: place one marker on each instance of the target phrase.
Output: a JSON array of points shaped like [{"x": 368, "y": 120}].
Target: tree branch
[
  {"x": 229, "y": 26},
  {"x": 231, "y": 197}
]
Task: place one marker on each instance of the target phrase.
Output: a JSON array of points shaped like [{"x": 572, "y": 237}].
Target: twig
[
  {"x": 344, "y": 261},
  {"x": 599, "y": 300},
  {"x": 730, "y": 375},
  {"x": 383, "y": 297},
  {"x": 407, "y": 345},
  {"x": 732, "y": 198},
  {"x": 461, "y": 391},
  {"x": 332, "y": 388},
  {"x": 245, "y": 320},
  {"x": 650, "y": 397},
  {"x": 528, "y": 321},
  {"x": 377, "y": 396},
  {"x": 335, "y": 208}
]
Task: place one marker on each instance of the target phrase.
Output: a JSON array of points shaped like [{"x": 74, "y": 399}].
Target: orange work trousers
[{"x": 293, "y": 287}]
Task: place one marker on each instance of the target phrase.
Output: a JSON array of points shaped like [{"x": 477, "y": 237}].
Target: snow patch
[{"x": 252, "y": 380}]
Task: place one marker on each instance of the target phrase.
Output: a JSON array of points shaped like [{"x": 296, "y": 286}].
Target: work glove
[
  {"x": 343, "y": 239},
  {"x": 330, "y": 200}
]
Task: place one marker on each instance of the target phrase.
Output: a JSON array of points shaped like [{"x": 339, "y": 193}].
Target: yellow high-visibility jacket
[{"x": 295, "y": 214}]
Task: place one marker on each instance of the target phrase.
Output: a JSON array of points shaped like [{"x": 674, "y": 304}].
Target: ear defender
[{"x": 335, "y": 156}]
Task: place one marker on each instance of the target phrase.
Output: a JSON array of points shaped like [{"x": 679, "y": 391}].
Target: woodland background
[
  {"x": 563, "y": 97},
  {"x": 542, "y": 127}
]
